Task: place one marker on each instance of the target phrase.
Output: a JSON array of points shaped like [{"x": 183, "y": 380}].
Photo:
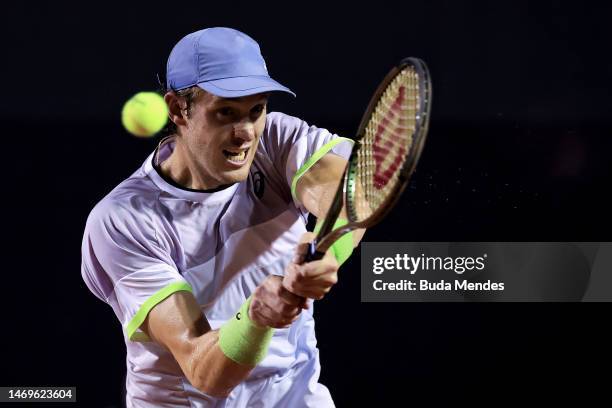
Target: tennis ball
[{"x": 144, "y": 114}]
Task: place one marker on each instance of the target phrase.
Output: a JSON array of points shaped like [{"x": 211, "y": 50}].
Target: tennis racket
[{"x": 387, "y": 148}]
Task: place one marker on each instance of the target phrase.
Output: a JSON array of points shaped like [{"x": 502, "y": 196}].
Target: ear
[{"x": 176, "y": 108}]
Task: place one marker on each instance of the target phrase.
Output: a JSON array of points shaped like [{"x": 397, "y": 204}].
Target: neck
[{"x": 181, "y": 168}]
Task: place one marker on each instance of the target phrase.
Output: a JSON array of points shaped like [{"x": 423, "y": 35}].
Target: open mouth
[{"x": 236, "y": 156}]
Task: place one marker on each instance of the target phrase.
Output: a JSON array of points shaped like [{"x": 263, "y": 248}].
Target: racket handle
[{"x": 312, "y": 254}]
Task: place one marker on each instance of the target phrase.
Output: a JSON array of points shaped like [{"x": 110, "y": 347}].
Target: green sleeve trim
[
  {"x": 313, "y": 159},
  {"x": 146, "y": 307}
]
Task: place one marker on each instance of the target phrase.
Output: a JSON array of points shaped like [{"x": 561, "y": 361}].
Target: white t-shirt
[{"x": 149, "y": 238}]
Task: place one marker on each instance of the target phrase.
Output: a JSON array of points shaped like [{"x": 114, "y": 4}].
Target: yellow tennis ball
[{"x": 144, "y": 114}]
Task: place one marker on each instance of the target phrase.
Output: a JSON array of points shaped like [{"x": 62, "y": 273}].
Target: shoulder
[
  {"x": 128, "y": 206},
  {"x": 279, "y": 123},
  {"x": 279, "y": 118}
]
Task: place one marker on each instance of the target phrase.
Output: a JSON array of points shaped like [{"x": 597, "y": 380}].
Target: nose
[{"x": 244, "y": 131}]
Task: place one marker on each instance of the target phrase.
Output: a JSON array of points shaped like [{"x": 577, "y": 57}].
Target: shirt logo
[
  {"x": 238, "y": 316},
  {"x": 258, "y": 184}
]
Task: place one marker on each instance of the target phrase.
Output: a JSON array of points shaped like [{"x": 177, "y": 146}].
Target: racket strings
[{"x": 387, "y": 140}]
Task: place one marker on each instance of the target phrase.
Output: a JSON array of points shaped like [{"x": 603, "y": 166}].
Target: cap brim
[{"x": 243, "y": 86}]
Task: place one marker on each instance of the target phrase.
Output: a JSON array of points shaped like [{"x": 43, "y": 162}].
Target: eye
[
  {"x": 258, "y": 109},
  {"x": 225, "y": 112}
]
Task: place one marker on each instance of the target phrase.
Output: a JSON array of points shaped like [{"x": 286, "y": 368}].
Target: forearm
[
  {"x": 317, "y": 188},
  {"x": 214, "y": 361},
  {"x": 208, "y": 369},
  {"x": 220, "y": 360},
  {"x": 206, "y": 366},
  {"x": 357, "y": 234}
]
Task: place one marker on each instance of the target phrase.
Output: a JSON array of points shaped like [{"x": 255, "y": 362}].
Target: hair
[{"x": 190, "y": 94}]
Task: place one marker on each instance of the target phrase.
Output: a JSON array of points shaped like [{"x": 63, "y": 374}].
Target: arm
[
  {"x": 317, "y": 187},
  {"x": 177, "y": 323},
  {"x": 316, "y": 190}
]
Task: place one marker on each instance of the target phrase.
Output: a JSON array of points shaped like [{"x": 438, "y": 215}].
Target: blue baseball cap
[{"x": 222, "y": 61}]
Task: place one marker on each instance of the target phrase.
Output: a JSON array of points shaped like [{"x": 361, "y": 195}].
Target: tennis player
[{"x": 198, "y": 252}]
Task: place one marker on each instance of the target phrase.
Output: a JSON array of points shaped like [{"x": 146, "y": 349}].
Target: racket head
[{"x": 389, "y": 143}]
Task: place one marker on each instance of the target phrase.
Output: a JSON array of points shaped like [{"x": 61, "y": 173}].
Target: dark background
[{"x": 517, "y": 151}]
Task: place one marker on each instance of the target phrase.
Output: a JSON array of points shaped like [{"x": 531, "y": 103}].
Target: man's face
[{"x": 222, "y": 135}]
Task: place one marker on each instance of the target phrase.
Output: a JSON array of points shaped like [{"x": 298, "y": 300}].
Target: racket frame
[{"x": 326, "y": 237}]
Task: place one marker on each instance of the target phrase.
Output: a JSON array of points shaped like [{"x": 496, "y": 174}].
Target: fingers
[
  {"x": 307, "y": 237},
  {"x": 312, "y": 280},
  {"x": 274, "y": 306},
  {"x": 293, "y": 299},
  {"x": 300, "y": 253},
  {"x": 278, "y": 301},
  {"x": 264, "y": 315},
  {"x": 331, "y": 258}
]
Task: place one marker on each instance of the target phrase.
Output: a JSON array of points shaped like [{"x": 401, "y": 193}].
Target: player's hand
[
  {"x": 274, "y": 306},
  {"x": 313, "y": 279}
]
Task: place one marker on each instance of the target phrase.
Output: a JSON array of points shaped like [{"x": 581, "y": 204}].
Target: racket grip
[{"x": 312, "y": 254}]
